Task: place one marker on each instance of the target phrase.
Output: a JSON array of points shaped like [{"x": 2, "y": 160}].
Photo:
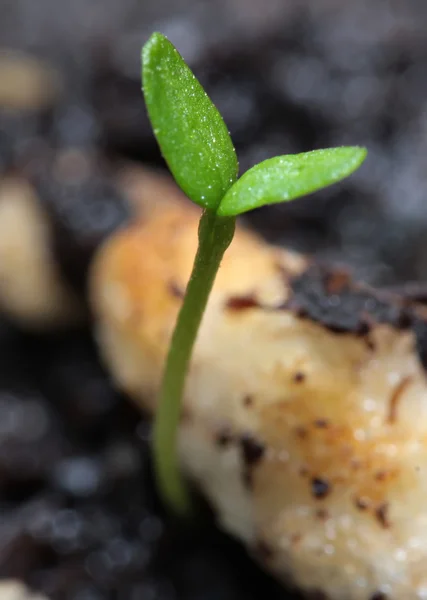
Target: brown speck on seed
[
  {"x": 370, "y": 344},
  {"x": 252, "y": 449},
  {"x": 396, "y": 396},
  {"x": 295, "y": 539},
  {"x": 248, "y": 401},
  {"x": 361, "y": 503},
  {"x": 320, "y": 488},
  {"x": 381, "y": 514},
  {"x": 242, "y": 302},
  {"x": 175, "y": 290},
  {"x": 303, "y": 471},
  {"x": 322, "y": 514},
  {"x": 301, "y": 432},
  {"x": 299, "y": 377},
  {"x": 381, "y": 475},
  {"x": 356, "y": 464},
  {"x": 224, "y": 437},
  {"x": 252, "y": 452},
  {"x": 321, "y": 423}
]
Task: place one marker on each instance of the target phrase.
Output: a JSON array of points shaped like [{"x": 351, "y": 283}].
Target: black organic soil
[{"x": 79, "y": 516}]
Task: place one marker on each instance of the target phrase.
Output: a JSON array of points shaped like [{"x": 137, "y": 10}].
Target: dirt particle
[
  {"x": 321, "y": 423},
  {"x": 361, "y": 503},
  {"x": 252, "y": 449},
  {"x": 295, "y": 539},
  {"x": 322, "y": 514},
  {"x": 303, "y": 471},
  {"x": 356, "y": 464},
  {"x": 224, "y": 437},
  {"x": 396, "y": 396},
  {"x": 252, "y": 452},
  {"x": 381, "y": 475},
  {"x": 242, "y": 302},
  {"x": 248, "y": 401},
  {"x": 175, "y": 290},
  {"x": 320, "y": 488},
  {"x": 381, "y": 514},
  {"x": 301, "y": 432},
  {"x": 342, "y": 306},
  {"x": 299, "y": 377},
  {"x": 370, "y": 344}
]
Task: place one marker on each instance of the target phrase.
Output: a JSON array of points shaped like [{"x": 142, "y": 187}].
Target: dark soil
[{"x": 79, "y": 518}]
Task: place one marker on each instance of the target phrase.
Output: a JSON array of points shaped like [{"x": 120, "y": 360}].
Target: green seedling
[{"x": 197, "y": 147}]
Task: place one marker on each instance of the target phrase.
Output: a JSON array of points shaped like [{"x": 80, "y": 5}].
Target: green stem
[{"x": 215, "y": 235}]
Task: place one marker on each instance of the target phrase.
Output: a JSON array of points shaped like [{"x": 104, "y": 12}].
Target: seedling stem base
[{"x": 215, "y": 235}]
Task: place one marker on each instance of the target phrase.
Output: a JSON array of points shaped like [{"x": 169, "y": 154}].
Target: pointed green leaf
[
  {"x": 192, "y": 136},
  {"x": 287, "y": 177}
]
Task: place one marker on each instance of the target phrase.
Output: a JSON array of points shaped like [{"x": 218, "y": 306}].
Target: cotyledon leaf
[
  {"x": 191, "y": 133},
  {"x": 287, "y": 177}
]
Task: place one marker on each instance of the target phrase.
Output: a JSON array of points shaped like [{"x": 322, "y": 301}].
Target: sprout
[{"x": 197, "y": 147}]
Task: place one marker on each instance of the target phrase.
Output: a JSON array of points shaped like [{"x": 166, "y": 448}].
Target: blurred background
[
  {"x": 288, "y": 75},
  {"x": 78, "y": 517}
]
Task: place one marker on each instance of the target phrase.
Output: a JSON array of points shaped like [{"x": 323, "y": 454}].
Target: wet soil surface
[
  {"x": 79, "y": 518},
  {"x": 78, "y": 515}
]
